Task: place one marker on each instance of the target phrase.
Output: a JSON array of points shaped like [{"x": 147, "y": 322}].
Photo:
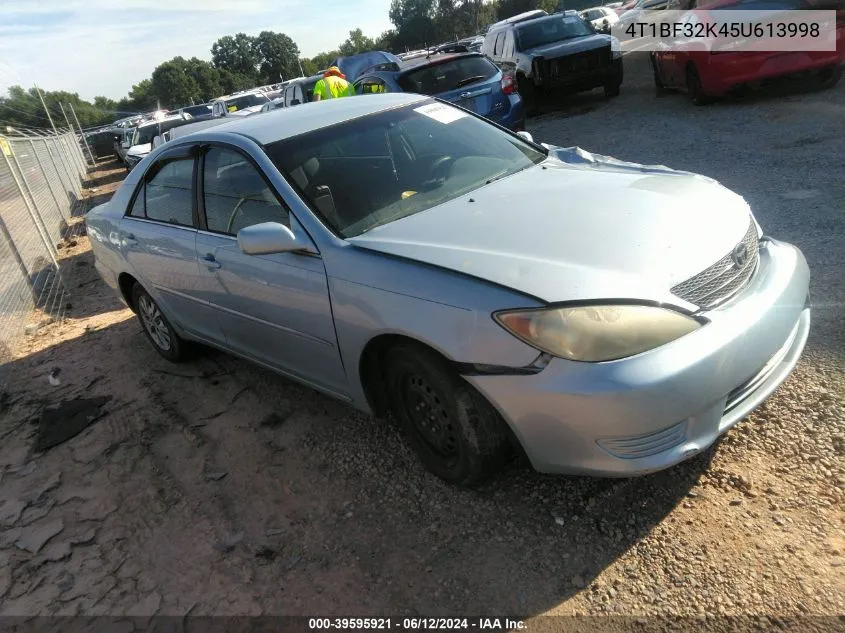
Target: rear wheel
[
  {"x": 694, "y": 88},
  {"x": 156, "y": 326},
  {"x": 829, "y": 77},
  {"x": 611, "y": 89},
  {"x": 452, "y": 428}
]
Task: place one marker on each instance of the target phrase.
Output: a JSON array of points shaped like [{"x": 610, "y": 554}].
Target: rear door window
[
  {"x": 167, "y": 195},
  {"x": 450, "y": 75}
]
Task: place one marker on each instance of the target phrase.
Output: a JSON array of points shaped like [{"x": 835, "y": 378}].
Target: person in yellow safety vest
[
  {"x": 373, "y": 89},
  {"x": 333, "y": 85}
]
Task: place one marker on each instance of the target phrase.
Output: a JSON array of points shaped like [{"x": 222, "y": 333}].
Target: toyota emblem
[{"x": 740, "y": 255}]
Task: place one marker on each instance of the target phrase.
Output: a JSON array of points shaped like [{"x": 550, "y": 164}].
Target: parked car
[
  {"x": 300, "y": 91},
  {"x": 141, "y": 142},
  {"x": 198, "y": 112},
  {"x": 352, "y": 65},
  {"x": 600, "y": 18},
  {"x": 641, "y": 11},
  {"x": 473, "y": 44},
  {"x": 189, "y": 128},
  {"x": 468, "y": 80},
  {"x": 239, "y": 104},
  {"x": 401, "y": 254},
  {"x": 101, "y": 142},
  {"x": 278, "y": 102},
  {"x": 705, "y": 72},
  {"x": 559, "y": 51},
  {"x": 122, "y": 142}
]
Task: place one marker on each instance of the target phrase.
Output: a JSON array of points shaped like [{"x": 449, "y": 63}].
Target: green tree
[
  {"x": 236, "y": 54},
  {"x": 318, "y": 62},
  {"x": 278, "y": 56},
  {"x": 386, "y": 41},
  {"x": 414, "y": 21},
  {"x": 173, "y": 85},
  {"x": 356, "y": 43}
]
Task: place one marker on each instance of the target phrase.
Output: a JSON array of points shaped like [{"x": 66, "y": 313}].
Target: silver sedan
[{"x": 494, "y": 294}]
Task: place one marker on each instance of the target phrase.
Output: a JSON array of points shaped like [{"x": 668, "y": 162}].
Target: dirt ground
[{"x": 217, "y": 488}]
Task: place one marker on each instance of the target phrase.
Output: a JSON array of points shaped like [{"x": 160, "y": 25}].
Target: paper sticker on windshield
[
  {"x": 440, "y": 112},
  {"x": 232, "y": 108}
]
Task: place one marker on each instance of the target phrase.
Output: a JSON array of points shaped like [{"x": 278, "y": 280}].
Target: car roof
[
  {"x": 283, "y": 123},
  {"x": 177, "y": 117}
]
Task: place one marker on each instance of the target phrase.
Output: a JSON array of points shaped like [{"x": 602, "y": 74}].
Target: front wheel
[
  {"x": 156, "y": 326},
  {"x": 528, "y": 91},
  {"x": 695, "y": 89},
  {"x": 451, "y": 427}
]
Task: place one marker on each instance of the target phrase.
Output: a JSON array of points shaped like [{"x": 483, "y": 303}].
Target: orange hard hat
[{"x": 334, "y": 70}]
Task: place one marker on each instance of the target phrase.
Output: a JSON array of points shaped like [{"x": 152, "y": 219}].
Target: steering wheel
[{"x": 439, "y": 171}]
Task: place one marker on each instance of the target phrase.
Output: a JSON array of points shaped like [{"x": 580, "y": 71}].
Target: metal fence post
[
  {"x": 32, "y": 207},
  {"x": 82, "y": 134},
  {"x": 56, "y": 166},
  {"x": 44, "y": 172},
  {"x": 16, "y": 254}
]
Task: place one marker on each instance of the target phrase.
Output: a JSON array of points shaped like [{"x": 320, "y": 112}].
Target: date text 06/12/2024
[{"x": 415, "y": 624}]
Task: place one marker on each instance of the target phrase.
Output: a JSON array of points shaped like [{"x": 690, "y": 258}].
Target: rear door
[{"x": 158, "y": 239}]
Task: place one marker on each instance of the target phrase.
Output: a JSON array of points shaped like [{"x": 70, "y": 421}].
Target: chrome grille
[{"x": 726, "y": 277}]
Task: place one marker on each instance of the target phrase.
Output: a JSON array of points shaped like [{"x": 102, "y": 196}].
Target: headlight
[{"x": 599, "y": 332}]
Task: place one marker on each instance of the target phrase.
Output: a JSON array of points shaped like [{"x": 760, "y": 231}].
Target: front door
[{"x": 274, "y": 308}]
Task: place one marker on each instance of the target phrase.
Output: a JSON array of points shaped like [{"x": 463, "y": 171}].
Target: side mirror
[
  {"x": 126, "y": 144},
  {"x": 267, "y": 238},
  {"x": 526, "y": 135}
]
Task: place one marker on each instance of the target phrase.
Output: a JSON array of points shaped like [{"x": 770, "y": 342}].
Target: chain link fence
[{"x": 40, "y": 192}]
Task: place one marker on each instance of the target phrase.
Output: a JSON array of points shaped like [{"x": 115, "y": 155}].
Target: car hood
[
  {"x": 570, "y": 47},
  {"x": 578, "y": 226}
]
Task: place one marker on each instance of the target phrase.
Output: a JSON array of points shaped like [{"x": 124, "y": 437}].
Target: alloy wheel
[{"x": 154, "y": 323}]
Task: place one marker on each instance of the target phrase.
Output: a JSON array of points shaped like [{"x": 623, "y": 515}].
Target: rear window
[{"x": 447, "y": 75}]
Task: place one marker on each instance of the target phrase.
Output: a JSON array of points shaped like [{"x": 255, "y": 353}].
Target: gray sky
[{"x": 102, "y": 47}]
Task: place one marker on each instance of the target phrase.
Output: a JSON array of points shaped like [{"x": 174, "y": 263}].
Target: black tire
[
  {"x": 611, "y": 90},
  {"x": 467, "y": 440},
  {"x": 694, "y": 88},
  {"x": 156, "y": 327},
  {"x": 659, "y": 88},
  {"x": 829, "y": 77},
  {"x": 528, "y": 91}
]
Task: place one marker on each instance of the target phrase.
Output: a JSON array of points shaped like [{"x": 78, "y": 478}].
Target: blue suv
[{"x": 467, "y": 79}]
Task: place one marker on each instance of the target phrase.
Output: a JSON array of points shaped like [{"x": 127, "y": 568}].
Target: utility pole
[
  {"x": 82, "y": 134},
  {"x": 38, "y": 90},
  {"x": 301, "y": 72}
]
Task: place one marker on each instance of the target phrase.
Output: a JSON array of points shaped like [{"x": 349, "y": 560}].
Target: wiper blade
[
  {"x": 469, "y": 80},
  {"x": 501, "y": 174}
]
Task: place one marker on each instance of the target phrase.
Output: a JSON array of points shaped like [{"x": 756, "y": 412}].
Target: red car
[{"x": 706, "y": 74}]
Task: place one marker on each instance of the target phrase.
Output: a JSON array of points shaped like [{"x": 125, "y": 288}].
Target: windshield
[
  {"x": 549, "y": 30},
  {"x": 392, "y": 164},
  {"x": 197, "y": 110},
  {"x": 245, "y": 101},
  {"x": 146, "y": 134},
  {"x": 449, "y": 75}
]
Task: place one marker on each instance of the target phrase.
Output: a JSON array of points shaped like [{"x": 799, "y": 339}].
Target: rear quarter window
[{"x": 448, "y": 75}]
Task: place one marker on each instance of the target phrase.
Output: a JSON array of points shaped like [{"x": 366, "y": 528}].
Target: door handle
[
  {"x": 210, "y": 262},
  {"x": 129, "y": 238}
]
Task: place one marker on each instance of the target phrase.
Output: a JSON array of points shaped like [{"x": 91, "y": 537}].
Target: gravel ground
[{"x": 217, "y": 488}]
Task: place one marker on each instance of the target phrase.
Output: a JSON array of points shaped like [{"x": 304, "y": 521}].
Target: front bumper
[{"x": 648, "y": 412}]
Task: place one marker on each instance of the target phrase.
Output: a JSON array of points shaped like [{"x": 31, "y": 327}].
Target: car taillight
[{"x": 508, "y": 86}]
